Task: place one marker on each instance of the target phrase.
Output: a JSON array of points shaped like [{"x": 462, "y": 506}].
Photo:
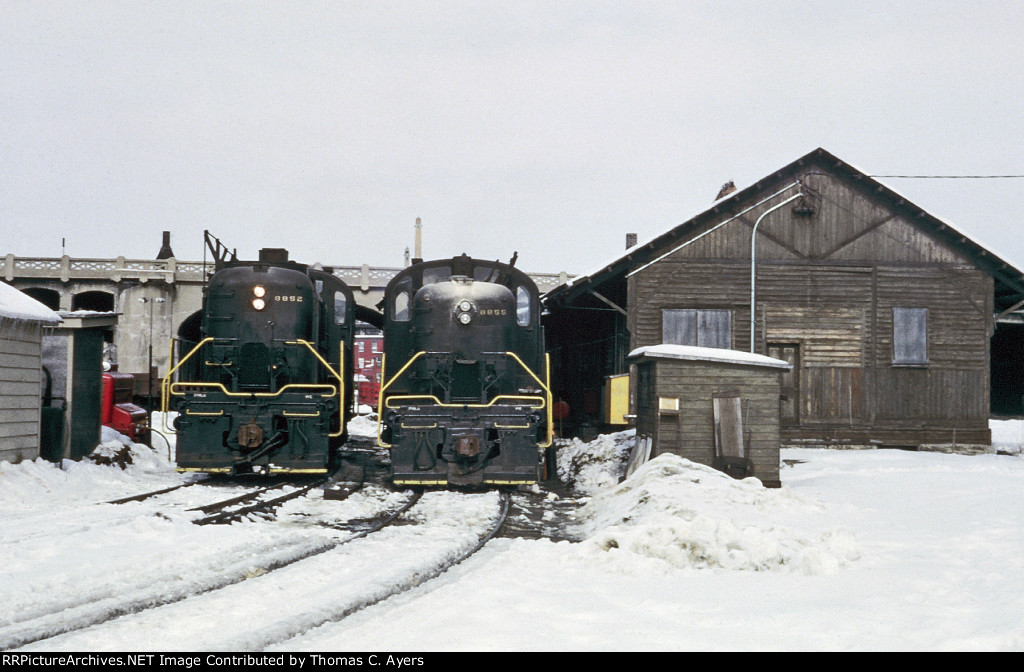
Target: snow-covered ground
[{"x": 859, "y": 550}]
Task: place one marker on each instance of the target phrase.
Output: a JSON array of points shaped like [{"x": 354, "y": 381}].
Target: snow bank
[
  {"x": 115, "y": 465},
  {"x": 692, "y": 516},
  {"x": 1007, "y": 436},
  {"x": 595, "y": 465}
]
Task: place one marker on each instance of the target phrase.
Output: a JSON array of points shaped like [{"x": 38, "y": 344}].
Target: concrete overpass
[{"x": 153, "y": 296}]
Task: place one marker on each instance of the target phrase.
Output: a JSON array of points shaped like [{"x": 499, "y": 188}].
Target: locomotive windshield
[
  {"x": 339, "y": 308},
  {"x": 522, "y": 306},
  {"x": 436, "y": 274}
]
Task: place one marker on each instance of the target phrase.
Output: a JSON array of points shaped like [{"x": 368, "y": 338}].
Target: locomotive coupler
[
  {"x": 250, "y": 435},
  {"x": 467, "y": 446}
]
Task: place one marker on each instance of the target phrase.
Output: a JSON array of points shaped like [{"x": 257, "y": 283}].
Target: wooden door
[{"x": 789, "y": 400}]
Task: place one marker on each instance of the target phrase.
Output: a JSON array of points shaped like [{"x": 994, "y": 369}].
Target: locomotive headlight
[
  {"x": 259, "y": 291},
  {"x": 259, "y": 304},
  {"x": 465, "y": 306},
  {"x": 465, "y": 318}
]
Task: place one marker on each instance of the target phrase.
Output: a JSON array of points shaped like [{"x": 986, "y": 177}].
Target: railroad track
[
  {"x": 236, "y": 507},
  {"x": 154, "y": 493},
  {"x": 103, "y": 606},
  {"x": 286, "y": 631},
  {"x": 385, "y": 562}
]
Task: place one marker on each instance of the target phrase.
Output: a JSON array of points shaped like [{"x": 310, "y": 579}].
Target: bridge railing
[{"x": 172, "y": 270}]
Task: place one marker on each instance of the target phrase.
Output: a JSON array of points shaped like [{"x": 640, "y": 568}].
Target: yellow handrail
[
  {"x": 168, "y": 388},
  {"x": 165, "y": 384},
  {"x": 387, "y": 384},
  {"x": 545, "y": 403},
  {"x": 433, "y": 400},
  {"x": 313, "y": 386},
  {"x": 341, "y": 381}
]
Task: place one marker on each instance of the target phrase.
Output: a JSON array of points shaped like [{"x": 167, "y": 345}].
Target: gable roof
[{"x": 1008, "y": 280}]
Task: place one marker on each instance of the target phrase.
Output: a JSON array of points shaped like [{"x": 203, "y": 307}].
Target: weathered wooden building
[
  {"x": 22, "y": 321},
  {"x": 885, "y": 312}
]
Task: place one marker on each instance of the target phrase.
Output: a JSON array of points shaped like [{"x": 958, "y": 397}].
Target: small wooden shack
[
  {"x": 22, "y": 321},
  {"x": 712, "y": 406}
]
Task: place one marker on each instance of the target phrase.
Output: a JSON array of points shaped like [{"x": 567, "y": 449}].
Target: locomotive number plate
[{"x": 287, "y": 297}]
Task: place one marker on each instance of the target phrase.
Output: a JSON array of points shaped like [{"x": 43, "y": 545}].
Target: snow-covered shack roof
[
  {"x": 16, "y": 305},
  {"x": 693, "y": 352}
]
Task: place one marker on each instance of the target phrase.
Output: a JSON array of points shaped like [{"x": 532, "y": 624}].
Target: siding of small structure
[
  {"x": 828, "y": 282},
  {"x": 690, "y": 432},
  {"x": 20, "y": 389}
]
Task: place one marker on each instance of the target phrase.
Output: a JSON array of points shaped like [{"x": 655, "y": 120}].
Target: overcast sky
[{"x": 547, "y": 128}]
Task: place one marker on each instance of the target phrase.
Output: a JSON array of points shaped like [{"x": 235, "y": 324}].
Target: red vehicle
[{"x": 117, "y": 410}]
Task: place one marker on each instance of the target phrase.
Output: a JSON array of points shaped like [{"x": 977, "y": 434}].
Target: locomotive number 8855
[{"x": 465, "y": 397}]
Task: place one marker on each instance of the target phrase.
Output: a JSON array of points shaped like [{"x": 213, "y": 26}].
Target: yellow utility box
[{"x": 616, "y": 399}]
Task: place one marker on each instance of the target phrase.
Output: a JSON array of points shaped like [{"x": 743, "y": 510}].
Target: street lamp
[{"x": 753, "y": 261}]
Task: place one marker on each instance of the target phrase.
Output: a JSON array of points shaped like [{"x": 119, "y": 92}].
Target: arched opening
[
  {"x": 100, "y": 302},
  {"x": 48, "y": 297}
]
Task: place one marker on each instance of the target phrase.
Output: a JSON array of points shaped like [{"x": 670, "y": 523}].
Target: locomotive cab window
[
  {"x": 523, "y": 307},
  {"x": 339, "y": 308},
  {"x": 484, "y": 273},
  {"x": 436, "y": 274}
]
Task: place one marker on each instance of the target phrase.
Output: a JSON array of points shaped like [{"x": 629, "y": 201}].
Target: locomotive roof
[
  {"x": 506, "y": 273},
  {"x": 293, "y": 265}
]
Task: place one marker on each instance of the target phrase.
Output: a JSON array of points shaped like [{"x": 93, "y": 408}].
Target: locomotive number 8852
[{"x": 263, "y": 379}]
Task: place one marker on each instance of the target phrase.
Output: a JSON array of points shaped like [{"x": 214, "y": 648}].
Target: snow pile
[
  {"x": 117, "y": 449},
  {"x": 692, "y": 516},
  {"x": 1007, "y": 436},
  {"x": 595, "y": 465},
  {"x": 27, "y": 484},
  {"x": 35, "y": 484},
  {"x": 363, "y": 425}
]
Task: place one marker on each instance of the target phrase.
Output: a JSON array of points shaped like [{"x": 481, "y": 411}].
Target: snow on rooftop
[
  {"x": 693, "y": 352},
  {"x": 17, "y": 305}
]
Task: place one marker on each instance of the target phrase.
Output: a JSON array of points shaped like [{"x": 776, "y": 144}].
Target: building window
[
  {"x": 706, "y": 328},
  {"x": 910, "y": 336}
]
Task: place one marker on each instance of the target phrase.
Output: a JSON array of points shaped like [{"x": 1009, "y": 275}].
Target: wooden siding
[
  {"x": 20, "y": 391},
  {"x": 689, "y": 432},
  {"x": 828, "y": 283}
]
